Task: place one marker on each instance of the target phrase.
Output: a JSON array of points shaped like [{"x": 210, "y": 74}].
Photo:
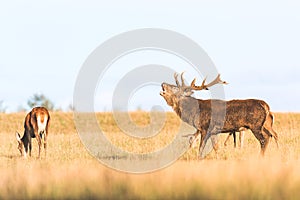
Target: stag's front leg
[
  {"x": 263, "y": 139},
  {"x": 194, "y": 138},
  {"x": 202, "y": 144},
  {"x": 264, "y": 143},
  {"x": 214, "y": 144}
]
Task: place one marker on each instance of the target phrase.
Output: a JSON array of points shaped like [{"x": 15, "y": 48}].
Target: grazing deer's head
[
  {"x": 21, "y": 146},
  {"x": 172, "y": 93}
]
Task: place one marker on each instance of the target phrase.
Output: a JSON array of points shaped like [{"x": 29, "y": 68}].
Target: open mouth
[{"x": 162, "y": 93}]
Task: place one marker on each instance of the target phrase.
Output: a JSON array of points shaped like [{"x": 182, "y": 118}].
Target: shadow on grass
[{"x": 10, "y": 156}]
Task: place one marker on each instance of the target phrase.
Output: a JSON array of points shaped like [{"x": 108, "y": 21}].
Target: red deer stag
[
  {"x": 250, "y": 114},
  {"x": 36, "y": 126}
]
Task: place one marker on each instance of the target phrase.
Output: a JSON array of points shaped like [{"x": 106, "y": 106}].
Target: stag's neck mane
[
  {"x": 176, "y": 109},
  {"x": 185, "y": 108}
]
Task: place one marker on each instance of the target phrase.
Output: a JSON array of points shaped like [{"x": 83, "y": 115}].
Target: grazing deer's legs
[
  {"x": 234, "y": 138},
  {"x": 46, "y": 134},
  {"x": 241, "y": 138},
  {"x": 45, "y": 144},
  {"x": 225, "y": 143},
  {"x": 37, "y": 136},
  {"x": 30, "y": 146},
  {"x": 193, "y": 140},
  {"x": 39, "y": 143}
]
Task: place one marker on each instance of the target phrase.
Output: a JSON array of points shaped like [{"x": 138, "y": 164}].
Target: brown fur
[
  {"x": 251, "y": 114},
  {"x": 31, "y": 130}
]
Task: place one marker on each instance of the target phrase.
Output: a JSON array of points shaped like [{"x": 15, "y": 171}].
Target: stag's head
[
  {"x": 172, "y": 93},
  {"x": 20, "y": 145}
]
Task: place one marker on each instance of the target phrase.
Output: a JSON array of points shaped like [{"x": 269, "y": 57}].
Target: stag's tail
[
  {"x": 268, "y": 127},
  {"x": 42, "y": 120},
  {"x": 274, "y": 134}
]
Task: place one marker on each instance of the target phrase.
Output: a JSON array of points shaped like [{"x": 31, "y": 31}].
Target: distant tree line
[
  {"x": 40, "y": 100},
  {"x": 34, "y": 101}
]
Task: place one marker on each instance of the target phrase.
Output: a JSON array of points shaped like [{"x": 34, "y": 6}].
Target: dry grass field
[{"x": 69, "y": 172}]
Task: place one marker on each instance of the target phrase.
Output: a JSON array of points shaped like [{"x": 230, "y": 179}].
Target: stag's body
[
  {"x": 35, "y": 126},
  {"x": 251, "y": 114},
  {"x": 269, "y": 122}
]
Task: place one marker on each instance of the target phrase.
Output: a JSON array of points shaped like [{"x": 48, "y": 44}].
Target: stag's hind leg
[
  {"x": 263, "y": 139},
  {"x": 271, "y": 133},
  {"x": 268, "y": 128}
]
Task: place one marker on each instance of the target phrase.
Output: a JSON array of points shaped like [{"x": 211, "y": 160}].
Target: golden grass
[{"x": 69, "y": 172}]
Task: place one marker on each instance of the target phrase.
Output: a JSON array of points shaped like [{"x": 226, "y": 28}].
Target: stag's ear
[{"x": 18, "y": 137}]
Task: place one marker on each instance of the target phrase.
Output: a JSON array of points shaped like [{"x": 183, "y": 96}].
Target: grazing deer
[
  {"x": 195, "y": 139},
  {"x": 241, "y": 138},
  {"x": 35, "y": 126},
  {"x": 250, "y": 114}
]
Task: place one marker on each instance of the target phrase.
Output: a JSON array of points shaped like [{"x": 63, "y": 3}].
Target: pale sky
[{"x": 255, "y": 45}]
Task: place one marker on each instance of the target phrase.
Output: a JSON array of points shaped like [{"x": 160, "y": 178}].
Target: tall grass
[{"x": 69, "y": 172}]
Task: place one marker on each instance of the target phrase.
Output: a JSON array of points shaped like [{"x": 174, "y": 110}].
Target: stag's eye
[{"x": 175, "y": 89}]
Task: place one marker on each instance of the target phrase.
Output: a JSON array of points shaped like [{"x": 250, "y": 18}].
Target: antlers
[
  {"x": 175, "y": 77},
  {"x": 217, "y": 80},
  {"x": 182, "y": 80}
]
